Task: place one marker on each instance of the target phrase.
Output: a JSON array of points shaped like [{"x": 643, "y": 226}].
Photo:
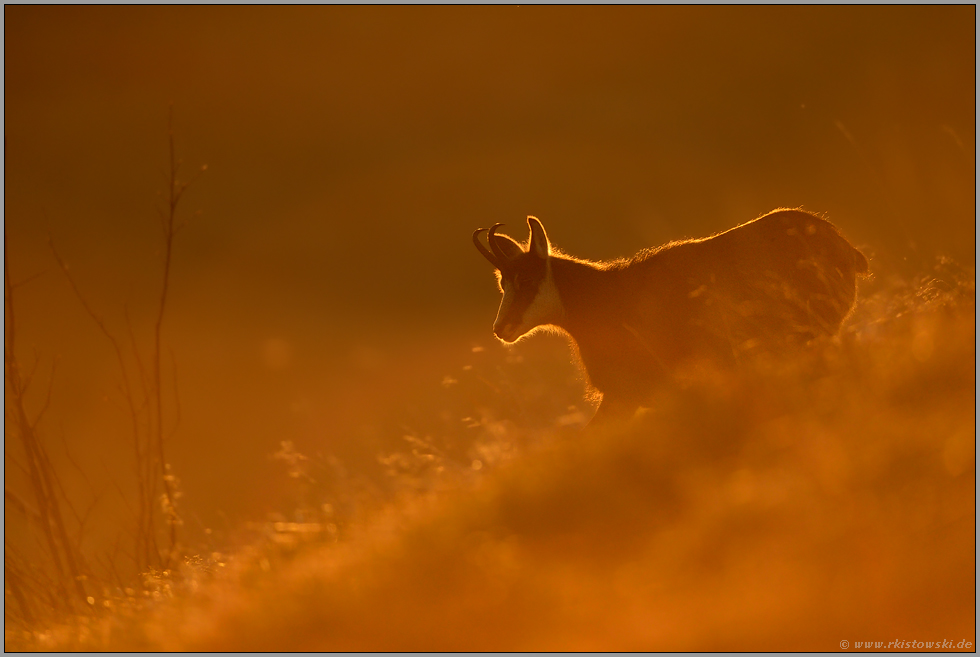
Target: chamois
[{"x": 767, "y": 286}]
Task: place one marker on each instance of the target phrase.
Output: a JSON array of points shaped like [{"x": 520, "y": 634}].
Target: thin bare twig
[
  {"x": 20, "y": 504},
  {"x": 71, "y": 460},
  {"x": 26, "y": 379},
  {"x": 96, "y": 496},
  {"x": 115, "y": 484},
  {"x": 109, "y": 565},
  {"x": 144, "y": 519},
  {"x": 47, "y": 396},
  {"x": 10, "y": 458},
  {"x": 30, "y": 278},
  {"x": 14, "y": 582},
  {"x": 40, "y": 479},
  {"x": 136, "y": 354},
  {"x": 43, "y": 455},
  {"x": 175, "y": 192},
  {"x": 144, "y": 464},
  {"x": 177, "y": 412},
  {"x": 85, "y": 517}
]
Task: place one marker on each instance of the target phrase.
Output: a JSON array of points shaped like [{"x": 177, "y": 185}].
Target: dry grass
[{"x": 826, "y": 499}]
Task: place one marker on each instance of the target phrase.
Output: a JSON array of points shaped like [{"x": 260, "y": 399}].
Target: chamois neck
[{"x": 583, "y": 288}]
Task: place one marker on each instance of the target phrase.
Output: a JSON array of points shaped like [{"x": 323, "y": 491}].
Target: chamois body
[{"x": 766, "y": 286}]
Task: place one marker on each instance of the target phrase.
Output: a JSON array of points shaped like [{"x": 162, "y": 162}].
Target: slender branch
[
  {"x": 46, "y": 463},
  {"x": 71, "y": 460},
  {"x": 136, "y": 354},
  {"x": 26, "y": 379},
  {"x": 15, "y": 389},
  {"x": 20, "y": 504},
  {"x": 144, "y": 464},
  {"x": 10, "y": 458},
  {"x": 50, "y": 480},
  {"x": 14, "y": 582},
  {"x": 30, "y": 278},
  {"x": 109, "y": 565},
  {"x": 174, "y": 193},
  {"x": 85, "y": 517},
  {"x": 145, "y": 516},
  {"x": 47, "y": 396},
  {"x": 177, "y": 412}
]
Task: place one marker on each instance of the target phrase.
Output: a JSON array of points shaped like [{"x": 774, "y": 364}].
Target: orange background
[{"x": 326, "y": 267}]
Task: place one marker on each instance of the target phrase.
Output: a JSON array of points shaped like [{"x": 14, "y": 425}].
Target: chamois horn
[
  {"x": 493, "y": 245},
  {"x": 497, "y": 259}
]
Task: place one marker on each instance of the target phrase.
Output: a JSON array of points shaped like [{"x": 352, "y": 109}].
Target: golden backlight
[{"x": 333, "y": 452}]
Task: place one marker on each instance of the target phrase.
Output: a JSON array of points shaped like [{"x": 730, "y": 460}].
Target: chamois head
[{"x": 530, "y": 298}]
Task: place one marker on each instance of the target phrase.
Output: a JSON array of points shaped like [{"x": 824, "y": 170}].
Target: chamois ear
[
  {"x": 540, "y": 246},
  {"x": 510, "y": 247}
]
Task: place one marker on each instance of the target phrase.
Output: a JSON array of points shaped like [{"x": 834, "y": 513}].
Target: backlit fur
[{"x": 765, "y": 287}]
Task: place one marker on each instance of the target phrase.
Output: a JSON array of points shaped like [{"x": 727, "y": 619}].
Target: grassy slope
[{"x": 779, "y": 510}]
